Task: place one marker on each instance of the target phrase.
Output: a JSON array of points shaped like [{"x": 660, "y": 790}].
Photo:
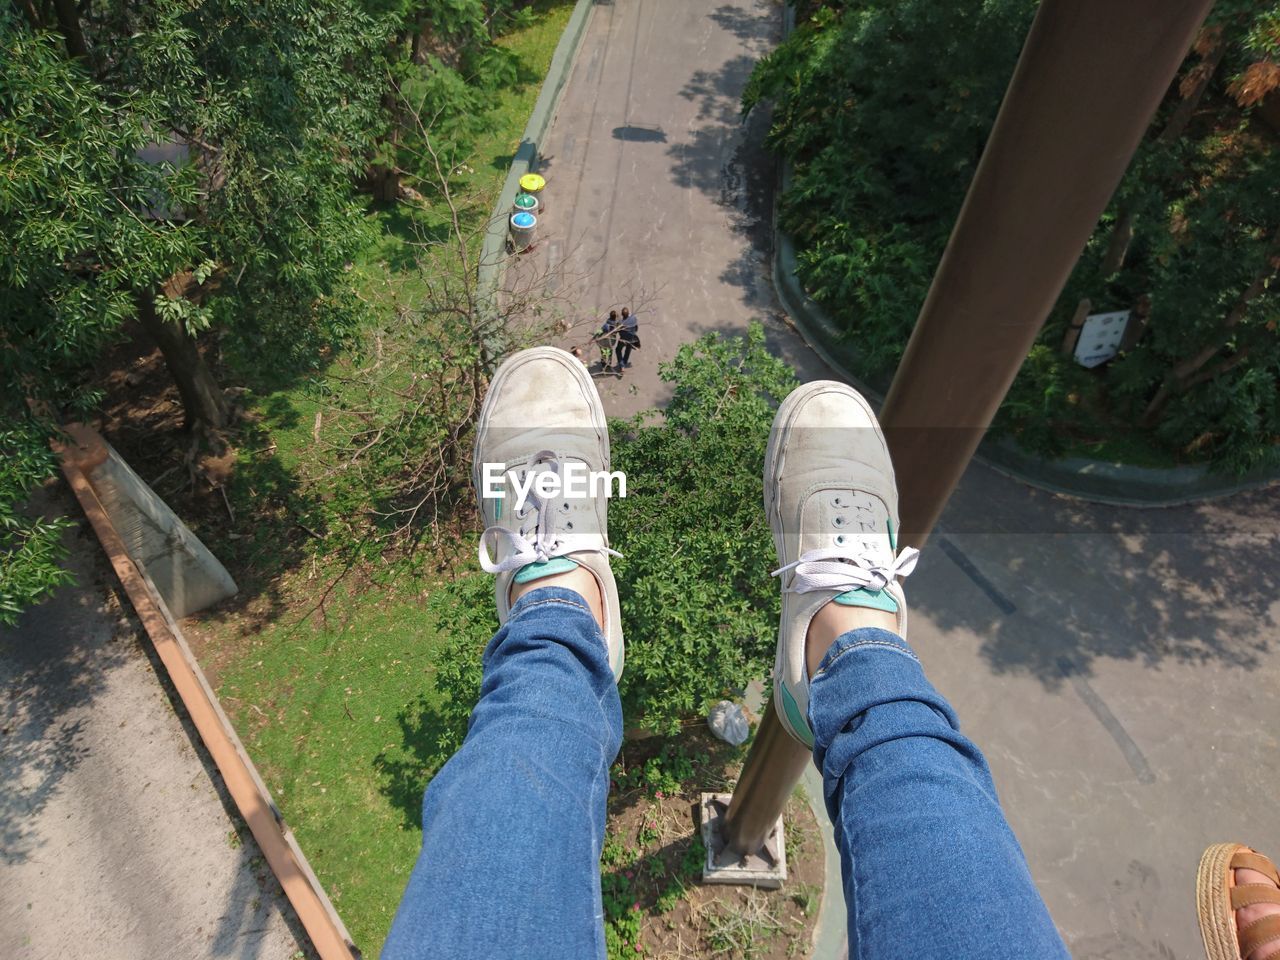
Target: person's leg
[
  {"x": 930, "y": 866},
  {"x": 624, "y": 354},
  {"x": 514, "y": 823}
]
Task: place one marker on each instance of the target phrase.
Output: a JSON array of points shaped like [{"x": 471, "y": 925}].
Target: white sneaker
[
  {"x": 833, "y": 509},
  {"x": 542, "y": 414}
]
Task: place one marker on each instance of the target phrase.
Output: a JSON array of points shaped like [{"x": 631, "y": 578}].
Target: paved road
[
  {"x": 1120, "y": 668},
  {"x": 114, "y": 841},
  {"x": 658, "y": 193}
]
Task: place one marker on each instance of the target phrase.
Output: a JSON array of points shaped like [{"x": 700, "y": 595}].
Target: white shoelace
[
  {"x": 547, "y": 542},
  {"x": 844, "y": 568}
]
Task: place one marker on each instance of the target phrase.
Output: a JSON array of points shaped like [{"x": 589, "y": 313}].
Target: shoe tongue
[
  {"x": 862, "y": 597},
  {"x": 548, "y": 568},
  {"x": 873, "y": 518}
]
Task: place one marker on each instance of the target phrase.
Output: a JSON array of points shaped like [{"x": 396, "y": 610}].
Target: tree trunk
[
  {"x": 1185, "y": 110},
  {"x": 1070, "y": 338},
  {"x": 69, "y": 24},
  {"x": 32, "y": 14},
  {"x": 384, "y": 181},
  {"x": 1117, "y": 244},
  {"x": 421, "y": 41},
  {"x": 202, "y": 398}
]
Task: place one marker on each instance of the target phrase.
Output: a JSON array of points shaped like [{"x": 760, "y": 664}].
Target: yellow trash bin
[{"x": 533, "y": 184}]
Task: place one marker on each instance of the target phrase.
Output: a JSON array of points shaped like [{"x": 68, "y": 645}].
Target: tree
[
  {"x": 74, "y": 248},
  {"x": 263, "y": 110},
  {"x": 440, "y": 63},
  {"x": 883, "y": 110}
]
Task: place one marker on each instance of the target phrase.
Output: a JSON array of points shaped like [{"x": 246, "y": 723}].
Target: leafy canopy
[{"x": 883, "y": 109}]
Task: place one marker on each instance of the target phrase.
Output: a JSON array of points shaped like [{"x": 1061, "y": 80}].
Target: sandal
[{"x": 1218, "y": 898}]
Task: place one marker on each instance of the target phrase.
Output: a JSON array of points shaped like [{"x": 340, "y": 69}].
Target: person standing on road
[
  {"x": 609, "y": 337},
  {"x": 628, "y": 338}
]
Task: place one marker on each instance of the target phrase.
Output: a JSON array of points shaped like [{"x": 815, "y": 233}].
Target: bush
[
  {"x": 883, "y": 110},
  {"x": 699, "y": 609}
]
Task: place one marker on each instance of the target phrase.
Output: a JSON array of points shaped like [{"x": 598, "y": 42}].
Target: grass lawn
[
  {"x": 339, "y": 720},
  {"x": 386, "y": 267}
]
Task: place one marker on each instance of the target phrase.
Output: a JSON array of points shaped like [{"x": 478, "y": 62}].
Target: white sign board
[{"x": 1100, "y": 337}]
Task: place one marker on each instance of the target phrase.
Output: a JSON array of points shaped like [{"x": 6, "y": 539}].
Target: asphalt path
[{"x": 116, "y": 839}]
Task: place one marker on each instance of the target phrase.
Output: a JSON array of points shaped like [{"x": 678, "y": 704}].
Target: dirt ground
[{"x": 652, "y": 864}]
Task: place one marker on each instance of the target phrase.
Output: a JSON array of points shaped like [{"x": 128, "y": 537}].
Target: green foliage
[
  {"x": 31, "y": 548},
  {"x": 444, "y": 67},
  {"x": 699, "y": 608},
  {"x": 72, "y": 245},
  {"x": 883, "y": 110},
  {"x": 622, "y": 912},
  {"x": 273, "y": 116},
  {"x": 662, "y": 775}
]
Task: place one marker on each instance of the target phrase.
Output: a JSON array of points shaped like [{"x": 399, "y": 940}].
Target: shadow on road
[
  {"x": 744, "y": 182},
  {"x": 1057, "y": 584},
  {"x": 52, "y": 664}
]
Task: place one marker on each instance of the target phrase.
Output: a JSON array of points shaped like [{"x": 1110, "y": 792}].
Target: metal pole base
[{"x": 766, "y": 868}]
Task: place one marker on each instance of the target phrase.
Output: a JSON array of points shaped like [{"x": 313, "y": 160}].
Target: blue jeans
[{"x": 514, "y": 824}]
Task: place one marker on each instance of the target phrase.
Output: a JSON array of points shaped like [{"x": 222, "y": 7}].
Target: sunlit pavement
[{"x": 114, "y": 839}]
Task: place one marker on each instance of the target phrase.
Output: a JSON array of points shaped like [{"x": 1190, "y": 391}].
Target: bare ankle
[
  {"x": 833, "y": 620},
  {"x": 580, "y": 580}
]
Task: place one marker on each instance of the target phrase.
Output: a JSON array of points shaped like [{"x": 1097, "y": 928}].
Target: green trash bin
[
  {"x": 526, "y": 203},
  {"x": 534, "y": 184}
]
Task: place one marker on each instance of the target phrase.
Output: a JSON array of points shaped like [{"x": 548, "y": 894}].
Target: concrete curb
[
  {"x": 830, "y": 937},
  {"x": 493, "y": 252}
]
